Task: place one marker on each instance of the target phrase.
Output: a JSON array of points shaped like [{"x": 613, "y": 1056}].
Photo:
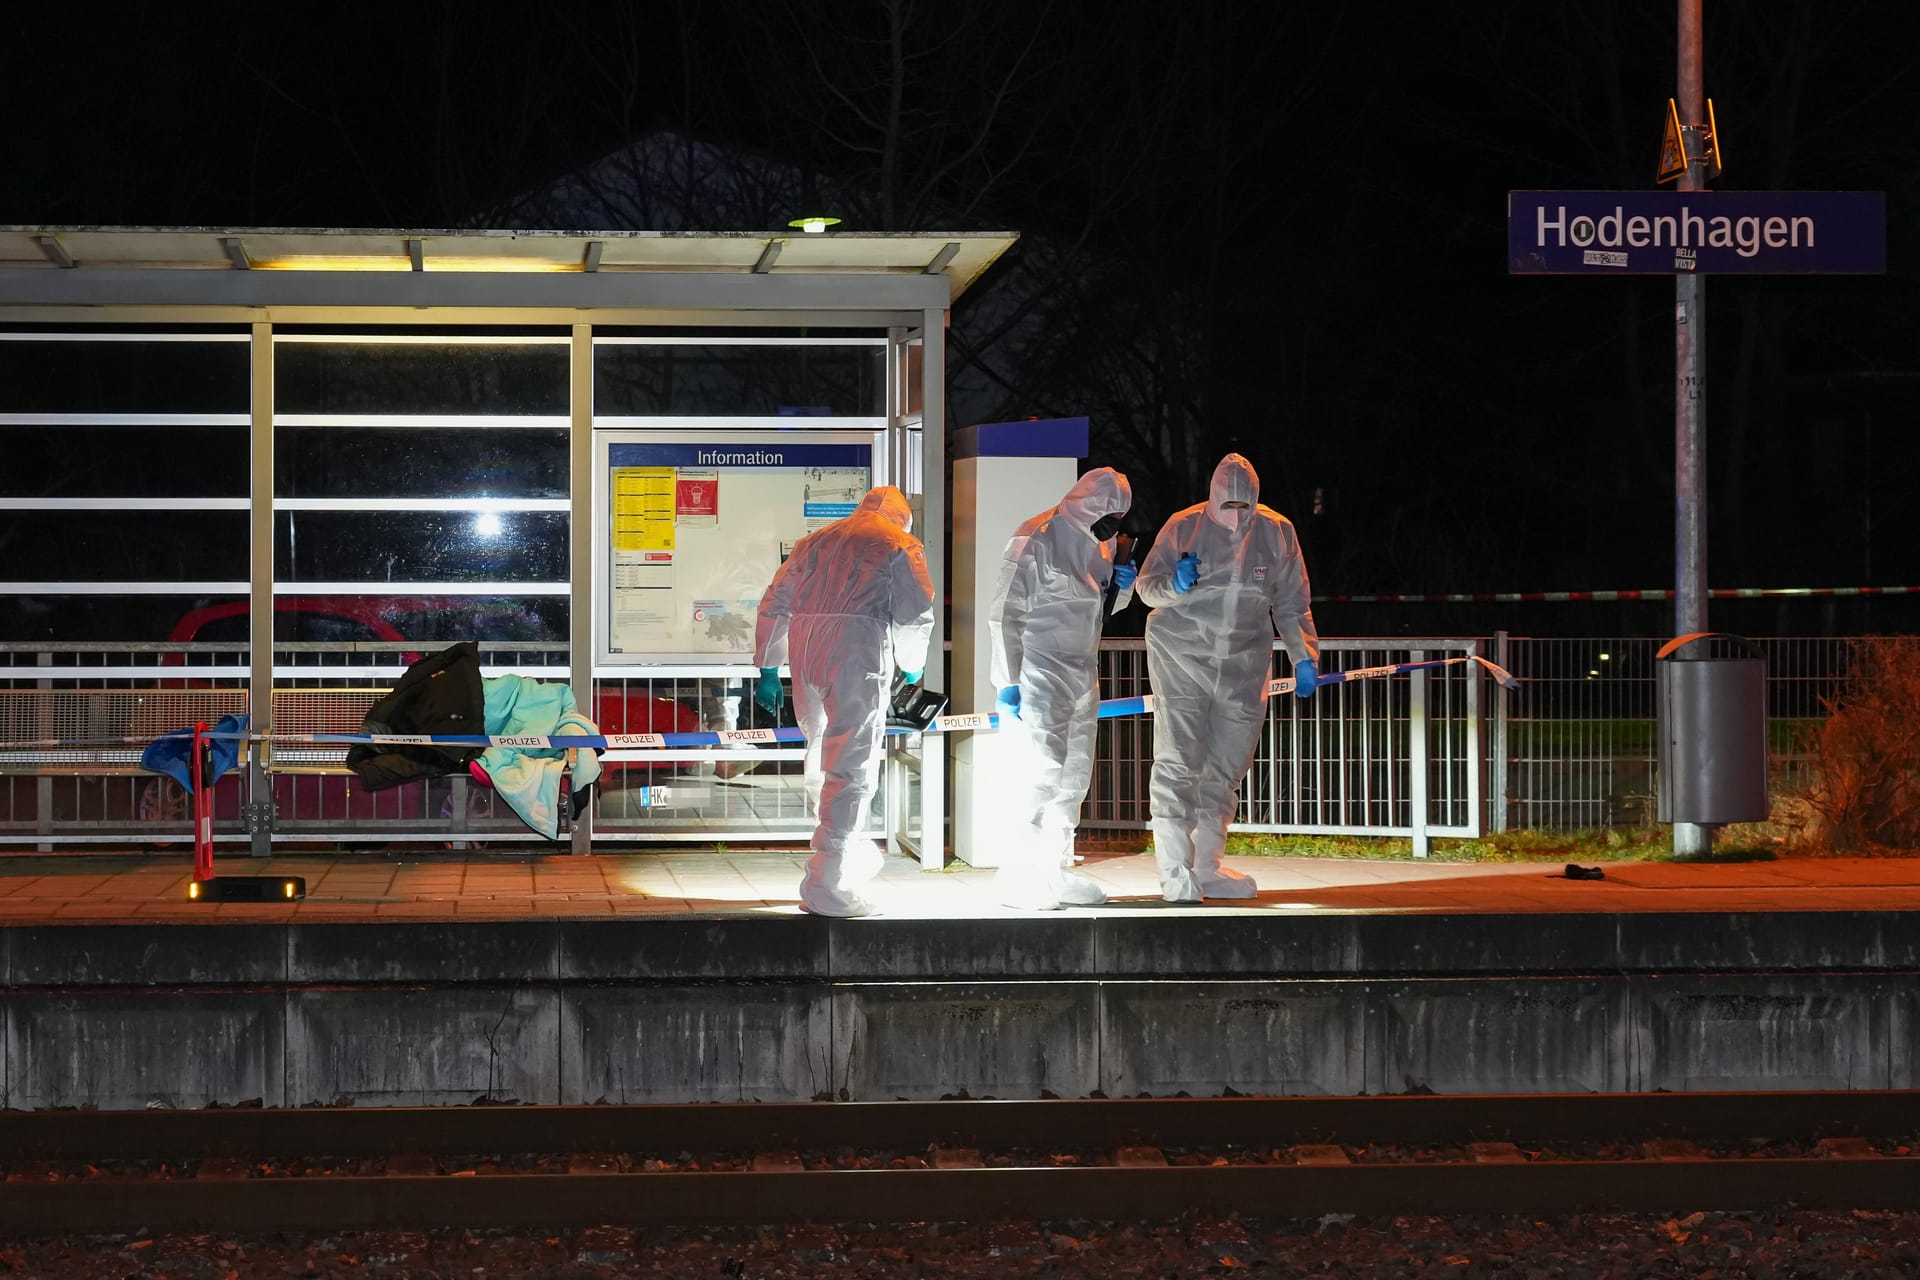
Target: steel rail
[
  {"x": 225, "y": 1197},
  {"x": 1101, "y": 1124},
  {"x": 921, "y": 1195}
]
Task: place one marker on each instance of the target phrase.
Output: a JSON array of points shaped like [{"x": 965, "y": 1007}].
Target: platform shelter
[{"x": 583, "y": 450}]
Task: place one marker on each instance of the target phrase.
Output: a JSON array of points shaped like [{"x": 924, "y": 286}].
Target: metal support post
[
  {"x": 580, "y": 617},
  {"x": 203, "y": 784},
  {"x": 933, "y": 535},
  {"x": 260, "y": 806},
  {"x": 43, "y": 785},
  {"x": 1690, "y": 398},
  {"x": 1497, "y": 754},
  {"x": 1417, "y": 755}
]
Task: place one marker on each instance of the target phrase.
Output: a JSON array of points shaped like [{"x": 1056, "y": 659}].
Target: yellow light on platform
[
  {"x": 333, "y": 262},
  {"x": 814, "y": 224},
  {"x": 496, "y": 264},
  {"x": 247, "y": 889}
]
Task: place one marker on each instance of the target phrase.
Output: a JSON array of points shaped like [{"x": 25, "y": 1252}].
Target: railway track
[{"x": 245, "y": 1170}]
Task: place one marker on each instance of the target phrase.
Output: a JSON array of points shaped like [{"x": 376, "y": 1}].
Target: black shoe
[{"x": 1574, "y": 872}]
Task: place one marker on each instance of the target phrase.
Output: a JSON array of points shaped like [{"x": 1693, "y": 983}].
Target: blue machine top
[{"x": 1032, "y": 438}]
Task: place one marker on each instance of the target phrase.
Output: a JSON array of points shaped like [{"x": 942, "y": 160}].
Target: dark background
[{"x": 1298, "y": 211}]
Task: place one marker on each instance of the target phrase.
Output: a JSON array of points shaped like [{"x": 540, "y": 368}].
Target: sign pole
[{"x": 1690, "y": 840}]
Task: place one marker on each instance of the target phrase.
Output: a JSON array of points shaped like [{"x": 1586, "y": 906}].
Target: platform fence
[{"x": 1440, "y": 754}]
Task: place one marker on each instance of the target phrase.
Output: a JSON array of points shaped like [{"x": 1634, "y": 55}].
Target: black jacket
[{"x": 441, "y": 693}]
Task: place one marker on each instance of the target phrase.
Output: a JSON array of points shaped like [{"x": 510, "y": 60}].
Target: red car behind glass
[{"x": 307, "y": 798}]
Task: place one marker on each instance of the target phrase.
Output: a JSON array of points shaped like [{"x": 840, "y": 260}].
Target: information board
[{"x": 692, "y": 534}]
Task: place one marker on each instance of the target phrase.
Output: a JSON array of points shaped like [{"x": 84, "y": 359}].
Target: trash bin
[{"x": 1712, "y": 691}]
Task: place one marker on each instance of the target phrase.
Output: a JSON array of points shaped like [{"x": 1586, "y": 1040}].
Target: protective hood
[
  {"x": 1101, "y": 492},
  {"x": 887, "y": 501},
  {"x": 1234, "y": 480}
]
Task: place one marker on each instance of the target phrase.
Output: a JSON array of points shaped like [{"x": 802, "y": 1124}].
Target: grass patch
[
  {"x": 1617, "y": 845},
  {"x": 1651, "y": 844},
  {"x": 1592, "y": 739}
]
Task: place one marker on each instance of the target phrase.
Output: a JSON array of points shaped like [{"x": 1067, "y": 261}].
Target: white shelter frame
[{"x": 92, "y": 281}]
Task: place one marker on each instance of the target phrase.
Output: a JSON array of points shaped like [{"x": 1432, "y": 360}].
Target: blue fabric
[
  {"x": 173, "y": 754},
  {"x": 528, "y": 778}
]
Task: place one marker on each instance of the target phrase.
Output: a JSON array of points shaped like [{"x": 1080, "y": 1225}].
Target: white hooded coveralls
[
  {"x": 1209, "y": 653},
  {"x": 1045, "y": 633},
  {"x": 852, "y": 601}
]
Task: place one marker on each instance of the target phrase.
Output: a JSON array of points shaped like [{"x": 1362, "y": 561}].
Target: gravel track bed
[
  {"x": 849, "y": 1158},
  {"x": 1787, "y": 1245}
]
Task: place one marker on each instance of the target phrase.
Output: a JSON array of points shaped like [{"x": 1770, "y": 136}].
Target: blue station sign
[{"x": 1718, "y": 232}]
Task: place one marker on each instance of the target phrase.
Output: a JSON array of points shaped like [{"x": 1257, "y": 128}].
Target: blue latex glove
[
  {"x": 1123, "y": 575},
  {"x": 1186, "y": 573},
  {"x": 1305, "y": 675},
  {"x": 1007, "y": 701},
  {"x": 767, "y": 693},
  {"x": 912, "y": 677}
]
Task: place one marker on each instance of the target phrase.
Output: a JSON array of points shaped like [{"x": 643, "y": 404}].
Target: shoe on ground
[
  {"x": 1226, "y": 883},
  {"x": 1080, "y": 891},
  {"x": 1180, "y": 886},
  {"x": 1025, "y": 892},
  {"x": 838, "y": 903}
]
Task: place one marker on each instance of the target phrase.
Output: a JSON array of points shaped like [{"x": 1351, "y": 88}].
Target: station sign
[{"x": 1717, "y": 232}]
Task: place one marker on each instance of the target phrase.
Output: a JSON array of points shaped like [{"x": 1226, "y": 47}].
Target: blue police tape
[{"x": 959, "y": 723}]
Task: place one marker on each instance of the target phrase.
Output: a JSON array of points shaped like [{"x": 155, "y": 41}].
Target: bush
[{"x": 1864, "y": 792}]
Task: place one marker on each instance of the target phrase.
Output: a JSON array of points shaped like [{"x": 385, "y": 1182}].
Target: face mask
[
  {"x": 1230, "y": 518},
  {"x": 1106, "y": 526}
]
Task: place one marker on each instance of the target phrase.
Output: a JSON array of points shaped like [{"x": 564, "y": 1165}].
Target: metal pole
[
  {"x": 1497, "y": 785},
  {"x": 1690, "y": 397},
  {"x": 581, "y": 620},
  {"x": 1417, "y": 756},
  {"x": 260, "y": 635},
  {"x": 933, "y": 536},
  {"x": 202, "y": 806}
]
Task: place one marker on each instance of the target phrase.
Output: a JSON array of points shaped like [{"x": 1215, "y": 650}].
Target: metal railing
[
  {"x": 1443, "y": 753},
  {"x": 100, "y": 795},
  {"x": 1575, "y": 748},
  {"x": 1374, "y": 757}
]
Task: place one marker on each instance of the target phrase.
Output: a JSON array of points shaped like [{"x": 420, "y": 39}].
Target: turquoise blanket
[{"x": 529, "y": 778}]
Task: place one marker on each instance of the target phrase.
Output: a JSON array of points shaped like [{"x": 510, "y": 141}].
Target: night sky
[{"x": 1301, "y": 208}]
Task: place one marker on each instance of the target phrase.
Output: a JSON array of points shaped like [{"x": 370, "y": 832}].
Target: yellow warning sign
[
  {"x": 1673, "y": 148},
  {"x": 1713, "y": 142},
  {"x": 643, "y": 507}
]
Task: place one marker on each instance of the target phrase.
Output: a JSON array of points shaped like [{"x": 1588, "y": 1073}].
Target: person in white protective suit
[
  {"x": 1045, "y": 633},
  {"x": 1224, "y": 577},
  {"x": 853, "y": 601}
]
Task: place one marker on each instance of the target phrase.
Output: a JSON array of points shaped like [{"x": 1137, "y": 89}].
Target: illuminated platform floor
[
  {"x": 761, "y": 883},
  {"x": 683, "y": 976}
]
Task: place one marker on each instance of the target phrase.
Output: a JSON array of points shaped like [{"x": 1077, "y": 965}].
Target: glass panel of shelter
[
  {"x": 726, "y": 383},
  {"x": 382, "y": 440}
]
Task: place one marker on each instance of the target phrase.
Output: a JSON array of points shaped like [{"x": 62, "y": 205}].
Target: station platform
[
  {"x": 448, "y": 979},
  {"x": 109, "y": 888}
]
